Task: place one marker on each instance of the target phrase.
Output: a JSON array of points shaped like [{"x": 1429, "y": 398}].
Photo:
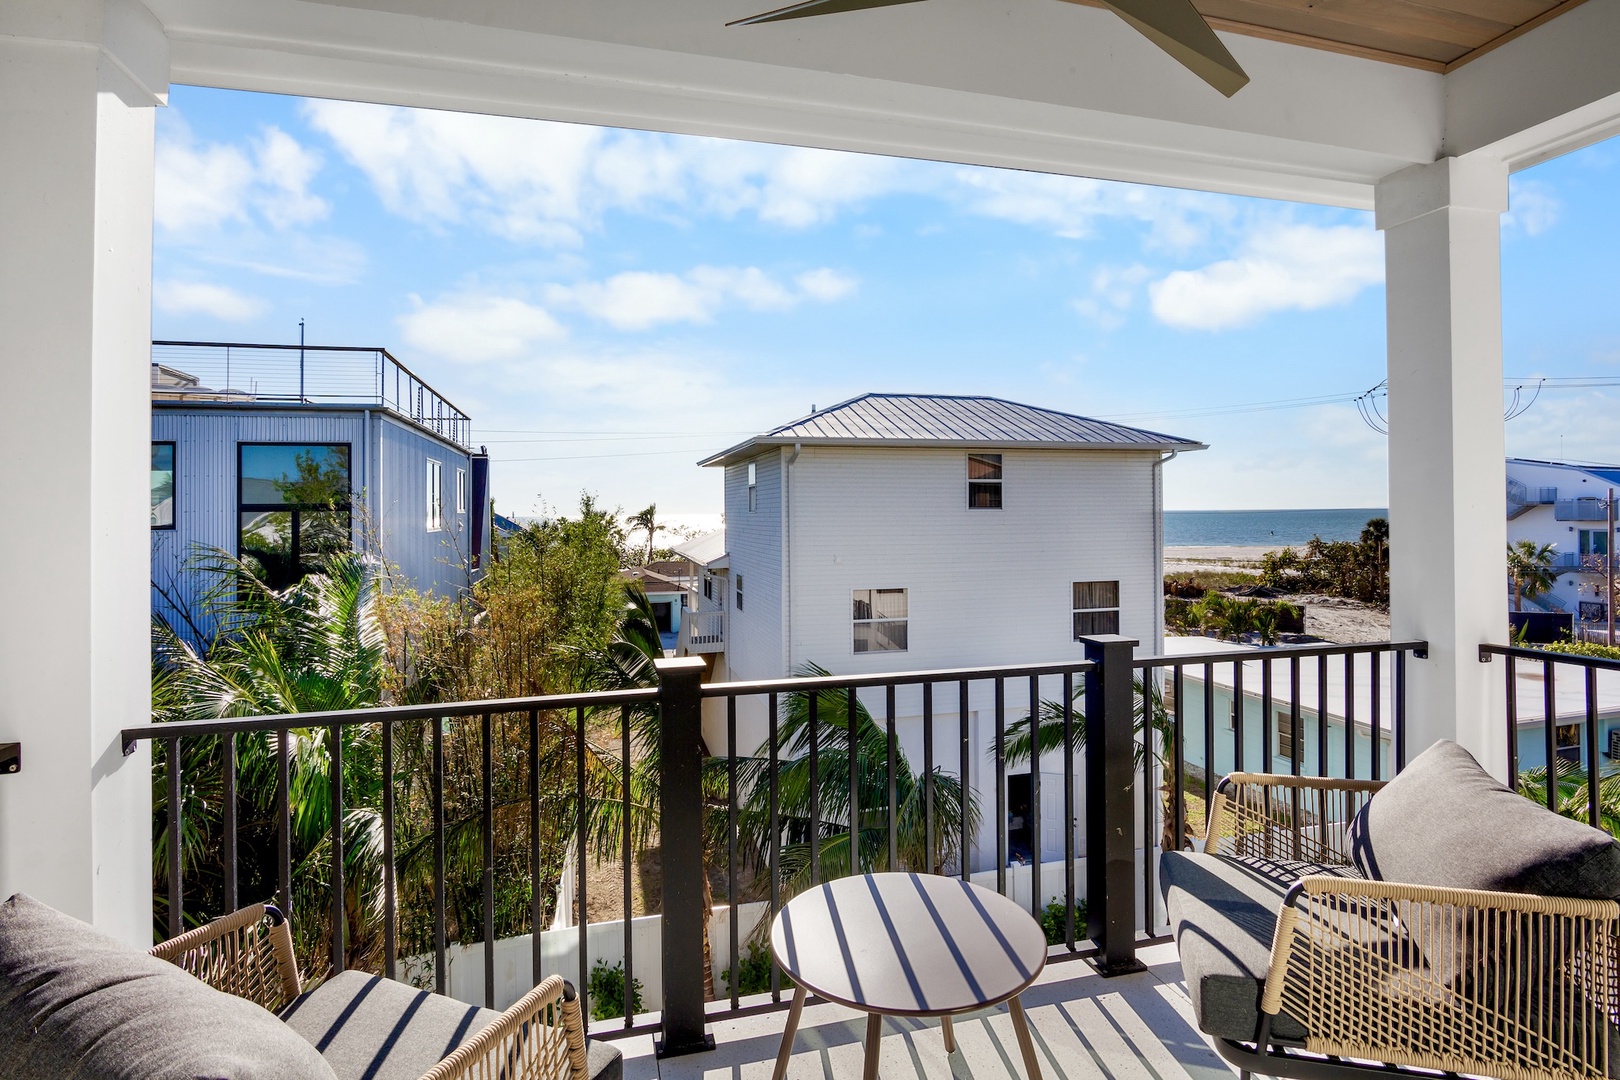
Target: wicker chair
[
  {"x": 1397, "y": 976},
  {"x": 249, "y": 953}
]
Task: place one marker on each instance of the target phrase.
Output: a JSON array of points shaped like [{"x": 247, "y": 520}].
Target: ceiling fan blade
[
  {"x": 1176, "y": 27},
  {"x": 817, "y": 7}
]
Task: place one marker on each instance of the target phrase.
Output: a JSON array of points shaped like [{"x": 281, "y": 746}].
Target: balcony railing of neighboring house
[
  {"x": 1137, "y": 779},
  {"x": 312, "y": 374},
  {"x": 1575, "y": 739},
  {"x": 1580, "y": 510},
  {"x": 1573, "y": 560},
  {"x": 703, "y": 632},
  {"x": 1521, "y": 497}
]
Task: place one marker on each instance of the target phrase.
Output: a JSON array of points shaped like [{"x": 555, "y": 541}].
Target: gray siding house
[{"x": 280, "y": 453}]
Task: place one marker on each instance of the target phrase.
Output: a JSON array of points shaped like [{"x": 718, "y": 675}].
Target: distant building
[
  {"x": 280, "y": 453},
  {"x": 914, "y": 532},
  {"x": 1565, "y": 504}
]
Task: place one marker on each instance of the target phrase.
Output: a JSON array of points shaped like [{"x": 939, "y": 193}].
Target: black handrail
[{"x": 1103, "y": 740}]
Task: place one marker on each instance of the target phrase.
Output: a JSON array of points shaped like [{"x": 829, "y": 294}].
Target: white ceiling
[{"x": 1033, "y": 84}]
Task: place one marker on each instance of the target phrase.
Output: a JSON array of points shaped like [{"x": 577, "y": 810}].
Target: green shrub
[
  {"x": 1054, "y": 920},
  {"x": 607, "y": 992},
  {"x": 1581, "y": 648},
  {"x": 756, "y": 973}
]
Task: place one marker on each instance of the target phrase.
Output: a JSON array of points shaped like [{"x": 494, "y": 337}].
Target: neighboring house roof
[
  {"x": 941, "y": 420},
  {"x": 1607, "y": 473},
  {"x": 704, "y": 549},
  {"x": 650, "y": 582},
  {"x": 506, "y": 525}
]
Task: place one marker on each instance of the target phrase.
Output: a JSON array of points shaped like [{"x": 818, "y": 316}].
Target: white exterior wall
[
  {"x": 1540, "y": 525},
  {"x": 755, "y": 635},
  {"x": 984, "y": 587}
]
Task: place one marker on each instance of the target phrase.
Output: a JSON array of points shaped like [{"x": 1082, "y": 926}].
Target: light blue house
[{"x": 282, "y": 453}]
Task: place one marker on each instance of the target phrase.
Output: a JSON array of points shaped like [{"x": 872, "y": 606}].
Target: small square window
[
  {"x": 984, "y": 481},
  {"x": 881, "y": 619},
  {"x": 1096, "y": 608}
]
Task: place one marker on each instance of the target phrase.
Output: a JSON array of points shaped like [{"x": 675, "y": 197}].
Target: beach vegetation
[
  {"x": 1234, "y": 618},
  {"x": 1353, "y": 569}
]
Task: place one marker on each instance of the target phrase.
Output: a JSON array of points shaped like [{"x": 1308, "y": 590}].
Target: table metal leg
[
  {"x": 788, "y": 1033},
  {"x": 1025, "y": 1043},
  {"x": 874, "y": 1040},
  {"x": 949, "y": 1033}
]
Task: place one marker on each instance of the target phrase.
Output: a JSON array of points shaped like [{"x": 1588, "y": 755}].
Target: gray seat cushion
[
  {"x": 1223, "y": 913},
  {"x": 369, "y": 1028},
  {"x": 77, "y": 1005},
  {"x": 1445, "y": 821}
]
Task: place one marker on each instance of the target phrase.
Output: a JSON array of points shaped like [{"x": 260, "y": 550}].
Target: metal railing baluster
[
  {"x": 441, "y": 971},
  {"x": 176, "y": 837},
  {"x": 390, "y": 886},
  {"x": 487, "y": 739},
  {"x": 339, "y": 908},
  {"x": 227, "y": 746}
]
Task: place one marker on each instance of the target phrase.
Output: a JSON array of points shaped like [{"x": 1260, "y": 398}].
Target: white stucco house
[
  {"x": 907, "y": 532},
  {"x": 1565, "y": 504}
]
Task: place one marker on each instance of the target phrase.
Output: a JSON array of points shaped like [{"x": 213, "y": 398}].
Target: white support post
[
  {"x": 78, "y": 83},
  {"x": 1448, "y": 532}
]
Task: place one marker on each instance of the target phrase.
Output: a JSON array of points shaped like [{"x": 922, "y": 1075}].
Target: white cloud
[
  {"x": 201, "y": 187},
  {"x": 639, "y": 300},
  {"x": 826, "y": 285},
  {"x": 471, "y": 327},
  {"x": 1070, "y": 206},
  {"x": 1287, "y": 267},
  {"x": 1113, "y": 292},
  {"x": 1531, "y": 207},
  {"x": 201, "y": 298}
]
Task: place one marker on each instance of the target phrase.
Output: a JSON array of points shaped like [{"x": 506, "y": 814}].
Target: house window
[
  {"x": 880, "y": 620},
  {"x": 1568, "y": 738},
  {"x": 292, "y": 507},
  {"x": 753, "y": 489},
  {"x": 163, "y": 485},
  {"x": 984, "y": 481},
  {"x": 435, "y": 495},
  {"x": 708, "y": 586},
  {"x": 1285, "y": 735},
  {"x": 461, "y": 491},
  {"x": 1096, "y": 608},
  {"x": 1594, "y": 541},
  {"x": 739, "y": 592}
]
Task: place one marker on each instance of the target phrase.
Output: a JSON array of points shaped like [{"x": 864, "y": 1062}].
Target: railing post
[
  {"x": 1110, "y": 805},
  {"x": 680, "y": 769}
]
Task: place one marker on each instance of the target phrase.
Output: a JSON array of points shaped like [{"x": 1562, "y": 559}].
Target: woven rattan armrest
[
  {"x": 1501, "y": 984},
  {"x": 248, "y": 953},
  {"x": 1280, "y": 816},
  {"x": 542, "y": 1037}
]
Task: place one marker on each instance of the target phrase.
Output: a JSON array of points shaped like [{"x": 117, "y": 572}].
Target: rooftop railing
[
  {"x": 464, "y": 806},
  {"x": 307, "y": 374}
]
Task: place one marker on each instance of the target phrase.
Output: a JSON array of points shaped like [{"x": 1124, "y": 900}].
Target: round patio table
[{"x": 907, "y": 945}]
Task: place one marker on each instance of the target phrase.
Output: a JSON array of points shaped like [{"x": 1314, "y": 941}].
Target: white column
[
  {"x": 79, "y": 80},
  {"x": 1448, "y": 532}
]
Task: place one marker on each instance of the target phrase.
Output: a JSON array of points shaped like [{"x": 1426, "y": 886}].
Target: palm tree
[
  {"x": 1049, "y": 735},
  {"x": 1530, "y": 569},
  {"x": 831, "y": 786},
  {"x": 646, "y": 521}
]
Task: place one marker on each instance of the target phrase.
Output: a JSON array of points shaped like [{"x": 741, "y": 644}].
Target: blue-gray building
[{"x": 281, "y": 453}]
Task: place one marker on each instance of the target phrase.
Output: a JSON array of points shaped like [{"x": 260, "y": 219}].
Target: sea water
[{"x": 1210, "y": 528}]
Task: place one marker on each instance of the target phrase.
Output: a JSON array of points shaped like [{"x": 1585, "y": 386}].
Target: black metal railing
[
  {"x": 1576, "y": 757},
  {"x": 1165, "y": 724},
  {"x": 315, "y": 374}
]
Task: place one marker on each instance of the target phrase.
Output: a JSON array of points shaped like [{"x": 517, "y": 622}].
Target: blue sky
[{"x": 610, "y": 306}]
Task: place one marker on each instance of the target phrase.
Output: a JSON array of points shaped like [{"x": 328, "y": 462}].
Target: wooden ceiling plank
[
  {"x": 1289, "y": 37},
  {"x": 1393, "y": 17},
  {"x": 1517, "y": 31},
  {"x": 1287, "y": 17},
  {"x": 1507, "y": 12}
]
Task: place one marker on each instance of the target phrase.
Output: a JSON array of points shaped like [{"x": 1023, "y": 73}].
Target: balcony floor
[{"x": 1136, "y": 1027}]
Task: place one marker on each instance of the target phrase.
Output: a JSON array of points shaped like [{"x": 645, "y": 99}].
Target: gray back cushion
[
  {"x": 1444, "y": 821},
  {"x": 77, "y": 1005}
]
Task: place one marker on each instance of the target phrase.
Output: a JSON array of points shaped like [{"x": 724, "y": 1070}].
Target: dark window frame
[
  {"x": 295, "y": 509},
  {"x": 993, "y": 489},
  {"x": 174, "y": 484},
  {"x": 1090, "y": 612},
  {"x": 872, "y": 619},
  {"x": 739, "y": 580}
]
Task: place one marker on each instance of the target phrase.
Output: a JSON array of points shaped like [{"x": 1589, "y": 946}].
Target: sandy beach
[{"x": 1228, "y": 557}]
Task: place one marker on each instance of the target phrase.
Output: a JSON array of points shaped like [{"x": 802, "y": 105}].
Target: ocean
[{"x": 1211, "y": 528}]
